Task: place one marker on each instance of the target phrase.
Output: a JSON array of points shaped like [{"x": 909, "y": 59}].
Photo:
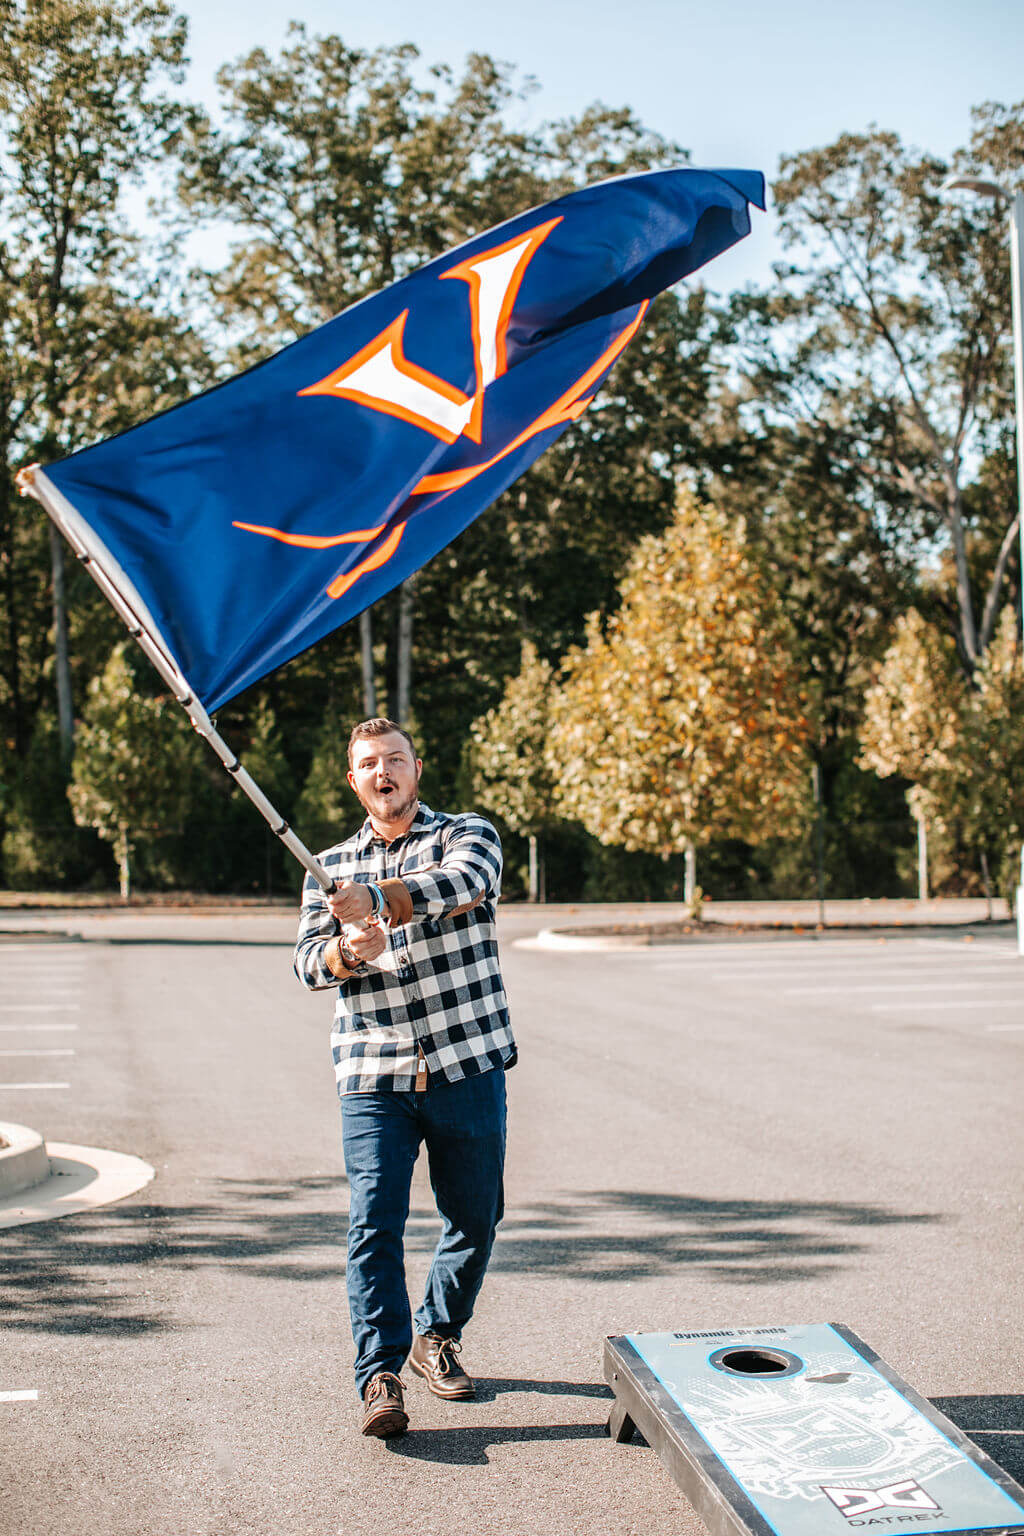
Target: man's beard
[{"x": 393, "y": 809}]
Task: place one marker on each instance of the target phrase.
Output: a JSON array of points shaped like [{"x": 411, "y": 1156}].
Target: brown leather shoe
[
  {"x": 385, "y": 1407},
  {"x": 435, "y": 1359}
]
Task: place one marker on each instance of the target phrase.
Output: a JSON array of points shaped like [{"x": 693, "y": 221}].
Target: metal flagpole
[{"x": 119, "y": 590}]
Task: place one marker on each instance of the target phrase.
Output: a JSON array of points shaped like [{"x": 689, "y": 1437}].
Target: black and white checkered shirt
[{"x": 437, "y": 987}]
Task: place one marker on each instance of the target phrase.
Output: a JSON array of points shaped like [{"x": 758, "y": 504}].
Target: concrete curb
[
  {"x": 23, "y": 1161},
  {"x": 563, "y": 938},
  {"x": 73, "y": 1178},
  {"x": 763, "y": 934}
]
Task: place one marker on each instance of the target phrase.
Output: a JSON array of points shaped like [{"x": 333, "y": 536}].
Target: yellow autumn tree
[
  {"x": 912, "y": 726},
  {"x": 681, "y": 720},
  {"x": 986, "y": 783},
  {"x": 911, "y": 722}
]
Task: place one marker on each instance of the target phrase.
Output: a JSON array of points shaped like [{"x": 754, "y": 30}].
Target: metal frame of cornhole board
[{"x": 762, "y": 1427}]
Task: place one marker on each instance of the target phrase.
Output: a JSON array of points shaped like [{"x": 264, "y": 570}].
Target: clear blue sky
[{"x": 736, "y": 84}]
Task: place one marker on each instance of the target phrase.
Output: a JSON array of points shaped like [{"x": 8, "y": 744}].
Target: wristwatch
[{"x": 349, "y": 959}]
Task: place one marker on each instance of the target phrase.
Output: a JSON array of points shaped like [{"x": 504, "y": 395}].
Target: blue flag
[{"x": 259, "y": 516}]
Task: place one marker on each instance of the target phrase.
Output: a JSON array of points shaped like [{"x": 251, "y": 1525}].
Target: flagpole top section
[{"x": 25, "y": 480}]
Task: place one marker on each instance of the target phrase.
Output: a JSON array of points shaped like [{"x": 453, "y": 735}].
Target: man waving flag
[{"x": 243, "y": 526}]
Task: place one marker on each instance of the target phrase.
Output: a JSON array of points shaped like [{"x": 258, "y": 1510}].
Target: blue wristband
[{"x": 377, "y": 897}]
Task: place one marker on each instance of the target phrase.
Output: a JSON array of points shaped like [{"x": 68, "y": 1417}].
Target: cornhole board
[{"x": 802, "y": 1431}]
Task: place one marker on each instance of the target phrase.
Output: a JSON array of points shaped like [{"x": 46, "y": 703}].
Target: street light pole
[{"x": 1015, "y": 204}]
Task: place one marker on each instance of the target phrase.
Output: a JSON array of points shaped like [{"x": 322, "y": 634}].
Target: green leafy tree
[
  {"x": 135, "y": 764},
  {"x": 326, "y": 805},
  {"x": 681, "y": 721},
  {"x": 91, "y": 337},
  {"x": 892, "y": 328},
  {"x": 510, "y": 774}
]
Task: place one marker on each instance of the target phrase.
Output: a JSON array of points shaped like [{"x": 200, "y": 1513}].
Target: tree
[
  {"x": 912, "y": 725},
  {"x": 960, "y": 745},
  {"x": 510, "y": 774},
  {"x": 135, "y": 763},
  {"x": 681, "y": 721},
  {"x": 987, "y": 784},
  {"x": 325, "y": 803},
  {"x": 892, "y": 327},
  {"x": 89, "y": 339}
]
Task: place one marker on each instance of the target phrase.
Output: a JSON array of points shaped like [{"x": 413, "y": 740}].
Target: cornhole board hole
[{"x": 802, "y": 1431}]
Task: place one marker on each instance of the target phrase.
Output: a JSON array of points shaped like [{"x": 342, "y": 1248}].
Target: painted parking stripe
[
  {"x": 40, "y": 1008},
  {"x": 897, "y": 986},
  {"x": 53, "y": 1029},
  {"x": 983, "y": 1004},
  {"x": 51, "y": 992},
  {"x": 28, "y": 1396},
  {"x": 37, "y": 1051},
  {"x": 13, "y": 1087}
]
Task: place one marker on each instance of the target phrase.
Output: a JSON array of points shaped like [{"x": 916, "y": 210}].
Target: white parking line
[
  {"x": 993, "y": 1028},
  {"x": 13, "y": 1087},
  {"x": 40, "y": 1007},
  {"x": 897, "y": 986},
  {"x": 37, "y": 1052},
  {"x": 981, "y": 1003},
  {"x": 829, "y": 968},
  {"x": 19, "y": 1397},
  {"x": 34, "y": 991},
  {"x": 12, "y": 1029}
]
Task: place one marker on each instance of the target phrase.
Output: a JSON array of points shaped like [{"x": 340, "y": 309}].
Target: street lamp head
[{"x": 976, "y": 184}]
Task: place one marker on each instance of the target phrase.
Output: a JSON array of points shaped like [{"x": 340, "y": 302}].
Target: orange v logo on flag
[{"x": 382, "y": 378}]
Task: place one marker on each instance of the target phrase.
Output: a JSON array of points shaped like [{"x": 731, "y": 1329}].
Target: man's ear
[
  {"x": 350, "y": 776},
  {"x": 419, "y": 768}
]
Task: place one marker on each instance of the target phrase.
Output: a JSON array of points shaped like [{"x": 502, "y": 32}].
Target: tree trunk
[
  {"x": 922, "y": 857},
  {"x": 65, "y": 715},
  {"x": 987, "y": 883},
  {"x": 965, "y": 603},
  {"x": 534, "y": 875},
  {"x": 819, "y": 839},
  {"x": 122, "y": 852},
  {"x": 689, "y": 873},
  {"x": 366, "y": 651},
  {"x": 403, "y": 688}
]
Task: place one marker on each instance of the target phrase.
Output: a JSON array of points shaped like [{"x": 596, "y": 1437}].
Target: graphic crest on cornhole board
[{"x": 908, "y": 1495}]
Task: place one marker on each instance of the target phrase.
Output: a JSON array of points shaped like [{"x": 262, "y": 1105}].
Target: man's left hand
[{"x": 351, "y": 902}]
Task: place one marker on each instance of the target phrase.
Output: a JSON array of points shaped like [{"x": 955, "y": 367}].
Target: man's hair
[{"x": 378, "y": 727}]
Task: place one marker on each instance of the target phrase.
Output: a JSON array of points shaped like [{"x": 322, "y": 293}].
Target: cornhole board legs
[{"x": 802, "y": 1431}]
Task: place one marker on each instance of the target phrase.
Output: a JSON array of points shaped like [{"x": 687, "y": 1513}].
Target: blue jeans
[{"x": 463, "y": 1125}]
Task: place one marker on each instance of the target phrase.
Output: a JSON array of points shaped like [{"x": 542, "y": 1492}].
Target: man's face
[{"x": 385, "y": 776}]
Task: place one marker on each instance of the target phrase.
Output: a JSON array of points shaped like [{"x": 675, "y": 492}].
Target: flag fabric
[{"x": 260, "y": 515}]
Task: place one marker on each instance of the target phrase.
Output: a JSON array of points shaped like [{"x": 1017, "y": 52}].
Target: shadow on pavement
[
  {"x": 995, "y": 1424},
  {"x": 467, "y": 1447},
  {"x": 95, "y": 1272},
  {"x": 490, "y": 1388},
  {"x": 617, "y": 1235}
]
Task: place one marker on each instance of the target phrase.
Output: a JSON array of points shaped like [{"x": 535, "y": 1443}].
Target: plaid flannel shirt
[{"x": 437, "y": 988}]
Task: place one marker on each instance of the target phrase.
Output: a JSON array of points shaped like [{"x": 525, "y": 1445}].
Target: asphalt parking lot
[{"x": 701, "y": 1136}]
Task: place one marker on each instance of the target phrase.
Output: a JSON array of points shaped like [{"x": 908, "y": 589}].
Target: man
[{"x": 421, "y": 1043}]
